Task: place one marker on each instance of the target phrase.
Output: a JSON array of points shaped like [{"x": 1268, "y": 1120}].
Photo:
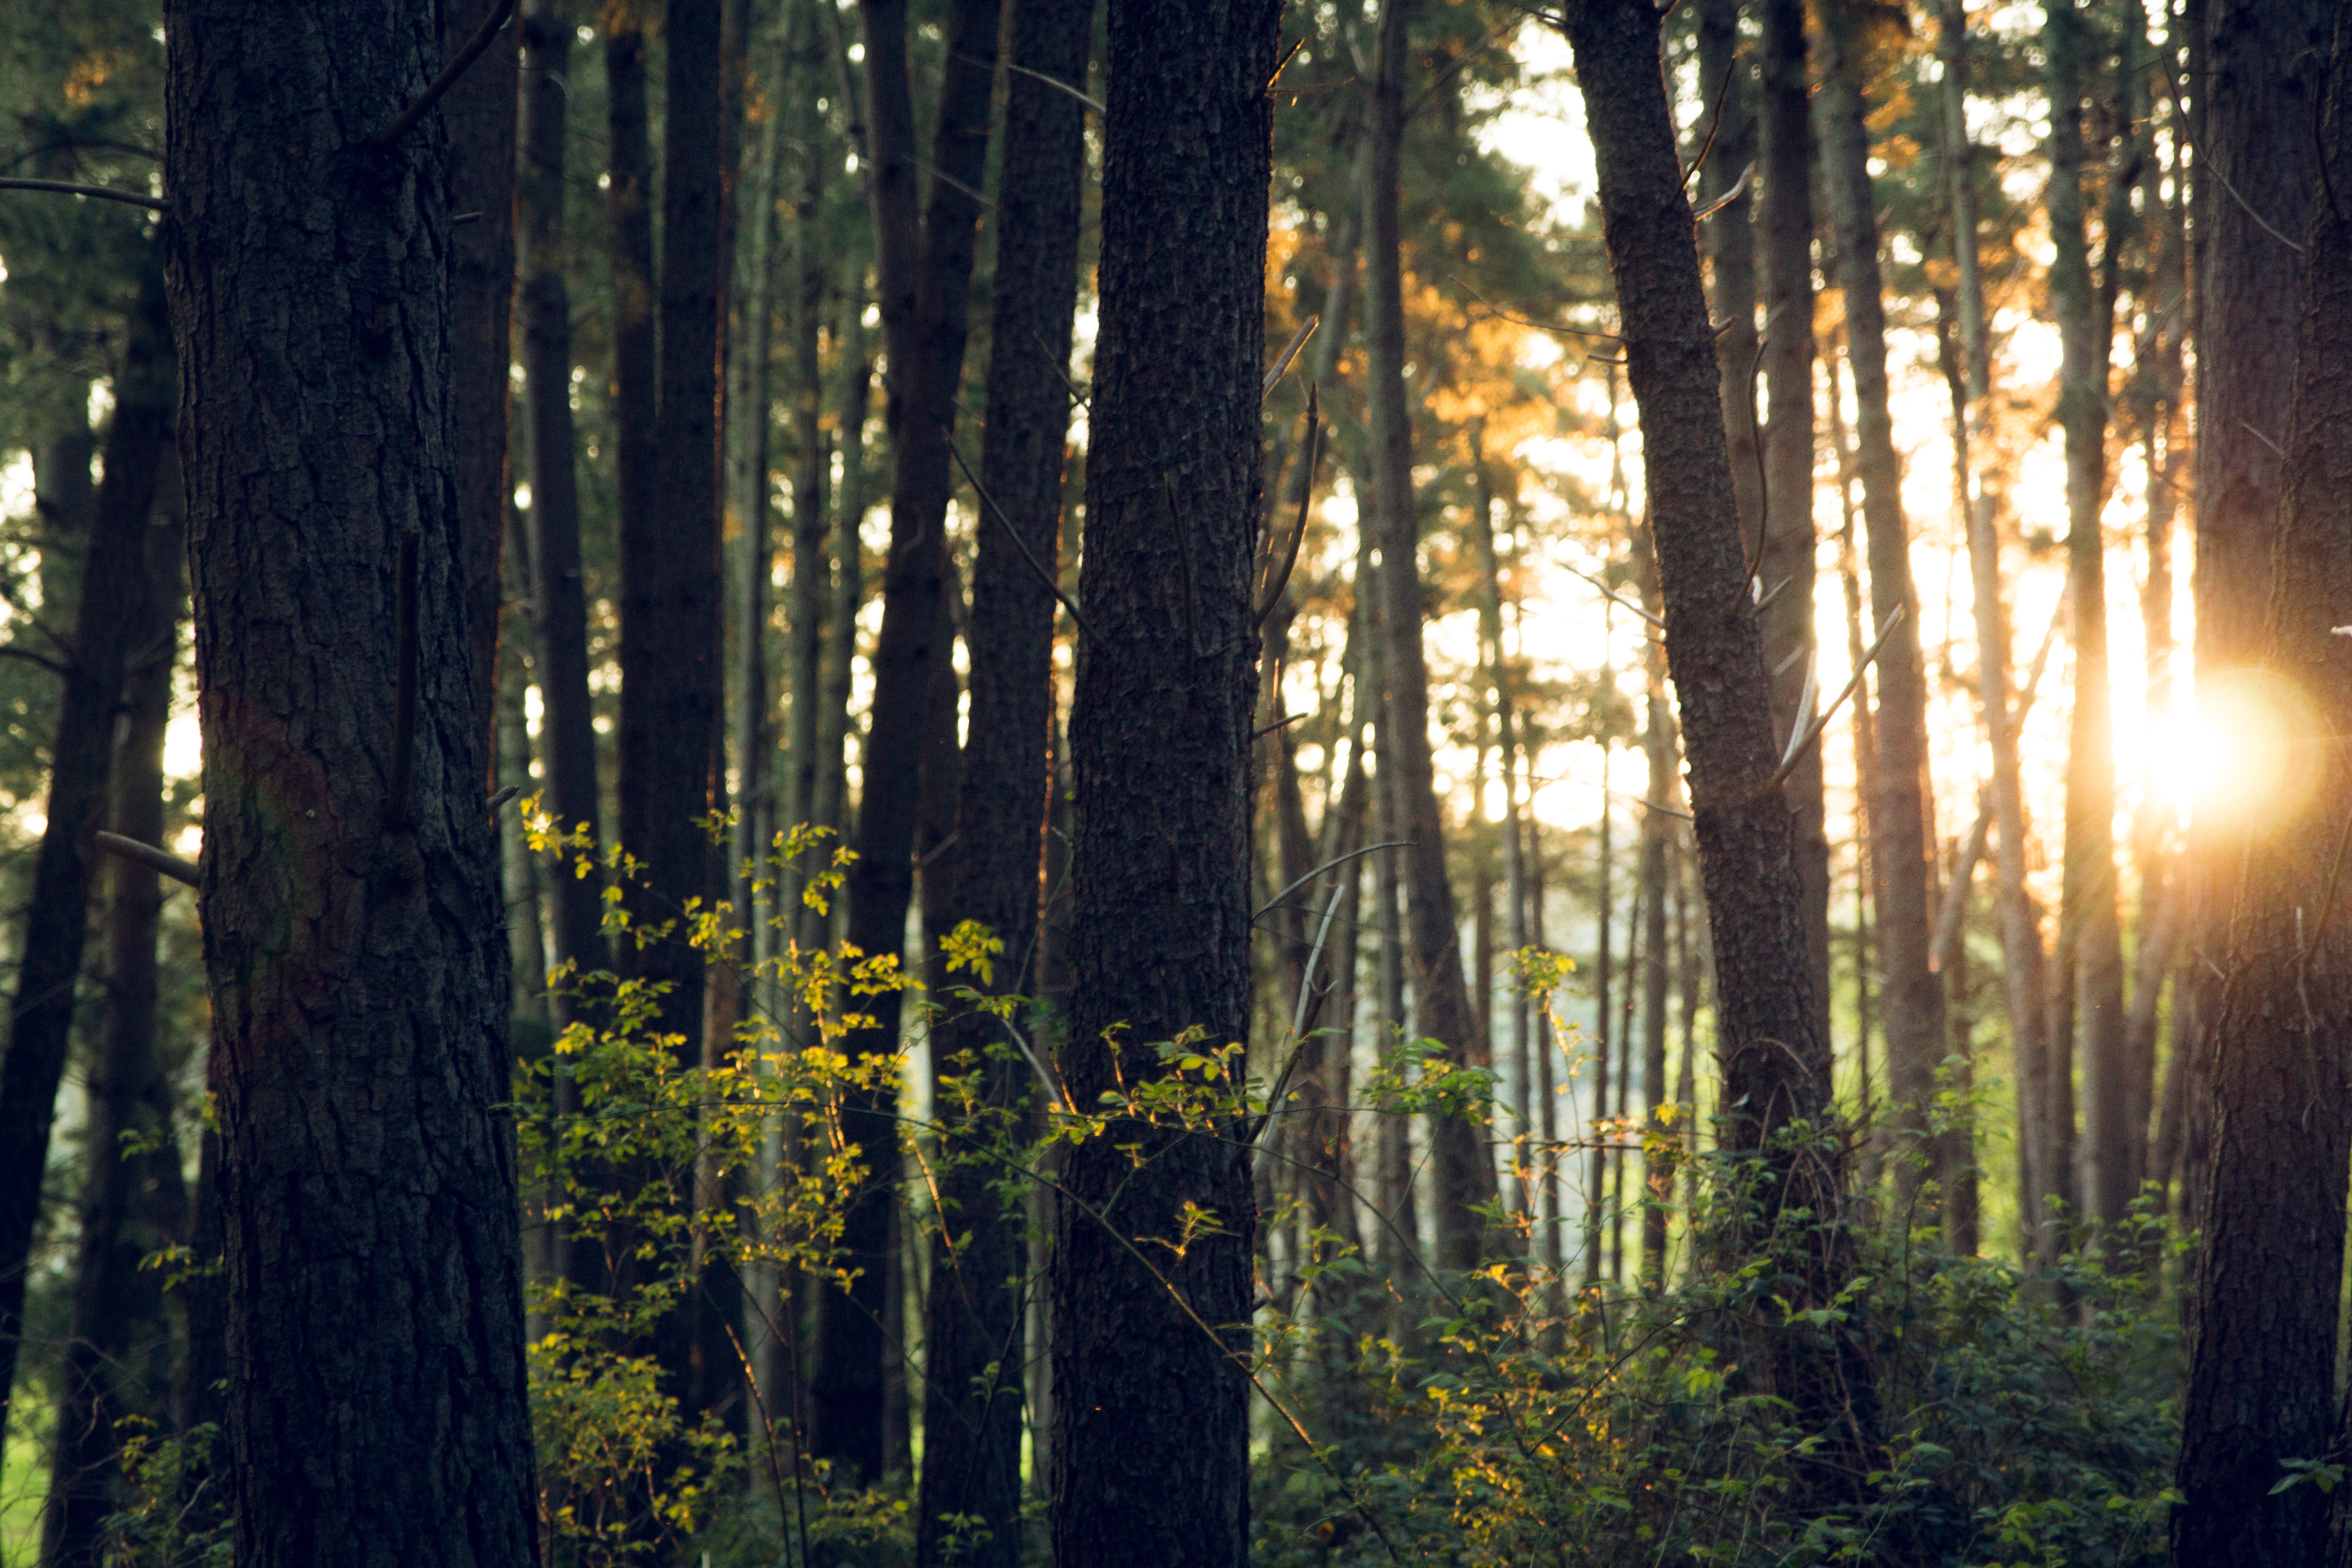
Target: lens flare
[{"x": 2250, "y": 754}]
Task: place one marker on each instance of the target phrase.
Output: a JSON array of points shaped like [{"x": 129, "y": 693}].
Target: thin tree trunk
[
  {"x": 1153, "y": 1436},
  {"x": 1658, "y": 744},
  {"x": 836, "y": 728},
  {"x": 973, "y": 1328},
  {"x": 404, "y": 1436},
  {"x": 1786, "y": 557},
  {"x": 1515, "y": 885},
  {"x": 132, "y": 1204},
  {"x": 925, "y": 273},
  {"x": 811, "y": 570},
  {"x": 558, "y": 607},
  {"x": 1724, "y": 77},
  {"x": 2022, "y": 952},
  {"x": 1596, "y": 1194},
  {"x": 81, "y": 757},
  {"x": 1465, "y": 1176},
  {"x": 2086, "y": 916},
  {"x": 1775, "y": 1057},
  {"x": 1902, "y": 836}
]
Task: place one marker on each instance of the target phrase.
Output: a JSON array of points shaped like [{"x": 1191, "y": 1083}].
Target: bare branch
[
  {"x": 103, "y": 193},
  {"x": 147, "y": 855}
]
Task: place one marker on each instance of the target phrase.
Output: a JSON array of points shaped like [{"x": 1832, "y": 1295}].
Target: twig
[
  {"x": 53, "y": 666},
  {"x": 503, "y": 796},
  {"x": 1274, "y": 902},
  {"x": 2277, "y": 450},
  {"x": 403, "y": 721},
  {"x": 1305, "y": 499},
  {"x": 1739, "y": 188},
  {"x": 1755, "y": 445},
  {"x": 103, "y": 193},
  {"x": 1722, "y": 94},
  {"x": 1298, "y": 1030},
  {"x": 1290, "y": 352},
  {"x": 1183, "y": 561},
  {"x": 1500, "y": 315},
  {"x": 147, "y": 855},
  {"x": 1057, "y": 82},
  {"x": 1813, "y": 731},
  {"x": 446, "y": 79},
  {"x": 1263, "y": 730},
  {"x": 2250, "y": 212},
  {"x": 988, "y": 504},
  {"x": 1283, "y": 65},
  {"x": 1621, "y": 602}
]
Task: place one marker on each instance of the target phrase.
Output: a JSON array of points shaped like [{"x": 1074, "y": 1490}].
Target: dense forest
[{"x": 1175, "y": 783}]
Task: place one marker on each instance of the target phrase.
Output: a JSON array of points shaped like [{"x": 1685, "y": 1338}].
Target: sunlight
[{"x": 2248, "y": 754}]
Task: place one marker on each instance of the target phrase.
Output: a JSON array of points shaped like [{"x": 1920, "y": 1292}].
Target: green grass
[{"x": 24, "y": 1479}]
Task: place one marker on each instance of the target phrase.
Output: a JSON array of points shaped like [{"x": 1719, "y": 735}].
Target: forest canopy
[{"x": 996, "y": 781}]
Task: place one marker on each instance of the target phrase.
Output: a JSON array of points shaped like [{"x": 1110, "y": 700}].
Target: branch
[
  {"x": 473, "y": 51},
  {"x": 103, "y": 193},
  {"x": 988, "y": 503},
  {"x": 1290, "y": 352},
  {"x": 1623, "y": 604},
  {"x": 147, "y": 855},
  {"x": 12, "y": 651},
  {"x": 1813, "y": 731},
  {"x": 1305, "y": 499},
  {"x": 1274, "y": 902},
  {"x": 1057, "y": 82}
]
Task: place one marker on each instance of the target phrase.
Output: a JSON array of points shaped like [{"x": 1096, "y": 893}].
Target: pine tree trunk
[
  {"x": 1596, "y": 1168},
  {"x": 2021, "y": 935},
  {"x": 132, "y": 1204},
  {"x": 1151, "y": 1410},
  {"x": 558, "y": 605},
  {"x": 1442, "y": 1010},
  {"x": 2264, "y": 1337},
  {"x": 1774, "y": 1057},
  {"x": 1659, "y": 748},
  {"x": 478, "y": 112},
  {"x": 2261, "y": 1380},
  {"x": 924, "y": 270},
  {"x": 1902, "y": 836},
  {"x": 972, "y": 1322},
  {"x": 81, "y": 760},
  {"x": 1724, "y": 77},
  {"x": 1790, "y": 642},
  {"x": 359, "y": 990}
]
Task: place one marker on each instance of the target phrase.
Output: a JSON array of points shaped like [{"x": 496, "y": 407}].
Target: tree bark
[
  {"x": 81, "y": 760},
  {"x": 1730, "y": 242},
  {"x": 1790, "y": 640},
  {"x": 132, "y": 1203},
  {"x": 559, "y": 604},
  {"x": 972, "y": 1322},
  {"x": 478, "y": 112},
  {"x": 1902, "y": 833},
  {"x": 1465, "y": 1176},
  {"x": 350, "y": 908},
  {"x": 1774, "y": 1057},
  {"x": 925, "y": 283},
  {"x": 2255, "y": 76},
  {"x": 2262, "y": 1362},
  {"x": 1150, "y": 1401}
]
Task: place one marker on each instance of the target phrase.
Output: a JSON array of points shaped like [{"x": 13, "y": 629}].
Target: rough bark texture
[
  {"x": 81, "y": 759},
  {"x": 1790, "y": 642},
  {"x": 1442, "y": 1010},
  {"x": 1902, "y": 835},
  {"x": 132, "y": 1204},
  {"x": 1730, "y": 241},
  {"x": 972, "y": 1415},
  {"x": 1774, "y": 1058},
  {"x": 478, "y": 112},
  {"x": 558, "y": 607},
  {"x": 2262, "y": 1367},
  {"x": 2254, "y": 91},
  {"x": 1150, "y": 1401},
  {"x": 925, "y": 276},
  {"x": 359, "y": 989}
]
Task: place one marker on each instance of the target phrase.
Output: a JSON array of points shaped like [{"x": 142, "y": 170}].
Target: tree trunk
[
  {"x": 2255, "y": 87},
  {"x": 2261, "y": 1380},
  {"x": 1465, "y": 1176},
  {"x": 350, "y": 905},
  {"x": 1596, "y": 1169},
  {"x": 2090, "y": 939},
  {"x": 925, "y": 284},
  {"x": 972, "y": 1320},
  {"x": 1774, "y": 1058},
  {"x": 2021, "y": 935},
  {"x": 1786, "y": 557},
  {"x": 1659, "y": 749},
  {"x": 1724, "y": 77},
  {"x": 2264, "y": 1337},
  {"x": 132, "y": 1204},
  {"x": 478, "y": 112},
  {"x": 1902, "y": 836},
  {"x": 559, "y": 604},
  {"x": 840, "y": 653},
  {"x": 811, "y": 568},
  {"x": 1152, "y": 1407},
  {"x": 81, "y": 759}
]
